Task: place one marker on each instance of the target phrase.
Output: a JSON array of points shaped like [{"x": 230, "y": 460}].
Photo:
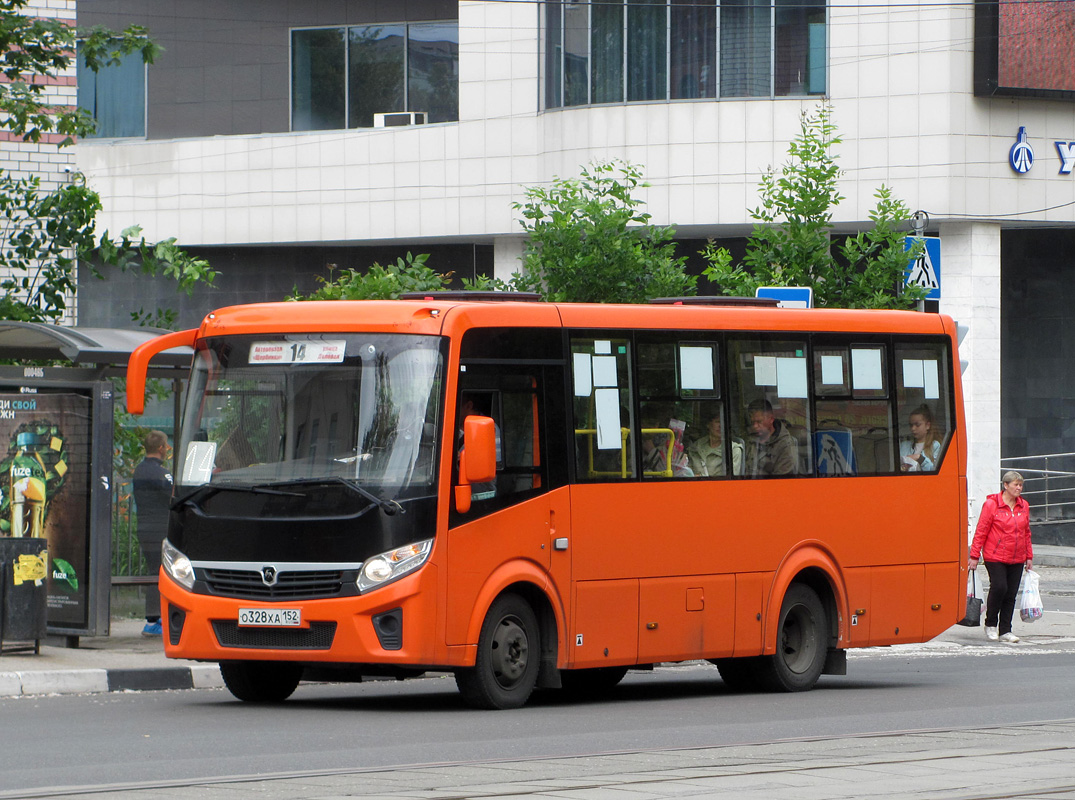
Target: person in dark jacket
[
  {"x": 152, "y": 496},
  {"x": 1003, "y": 538}
]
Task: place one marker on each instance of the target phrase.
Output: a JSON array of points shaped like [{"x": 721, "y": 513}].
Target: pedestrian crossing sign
[{"x": 926, "y": 269}]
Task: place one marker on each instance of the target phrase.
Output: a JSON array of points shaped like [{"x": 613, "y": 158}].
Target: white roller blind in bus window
[
  {"x": 696, "y": 364},
  {"x": 583, "y": 375},
  {"x": 607, "y": 407},
  {"x": 765, "y": 370},
  {"x": 791, "y": 377},
  {"x": 604, "y": 371},
  {"x": 931, "y": 379},
  {"x": 832, "y": 370},
  {"x": 912, "y": 373},
  {"x": 866, "y": 368}
]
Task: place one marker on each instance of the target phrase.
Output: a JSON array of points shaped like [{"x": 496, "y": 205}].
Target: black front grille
[
  {"x": 290, "y": 585},
  {"x": 318, "y": 636}
]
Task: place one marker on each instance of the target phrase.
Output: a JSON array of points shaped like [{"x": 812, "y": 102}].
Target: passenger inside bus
[
  {"x": 706, "y": 453},
  {"x": 771, "y": 449},
  {"x": 662, "y": 451},
  {"x": 922, "y": 450}
]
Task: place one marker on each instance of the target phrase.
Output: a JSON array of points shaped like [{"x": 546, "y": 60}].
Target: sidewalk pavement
[{"x": 126, "y": 661}]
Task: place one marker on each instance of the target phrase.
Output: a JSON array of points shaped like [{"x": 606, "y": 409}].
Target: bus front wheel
[
  {"x": 261, "y": 681},
  {"x": 801, "y": 643},
  {"x": 509, "y": 651}
]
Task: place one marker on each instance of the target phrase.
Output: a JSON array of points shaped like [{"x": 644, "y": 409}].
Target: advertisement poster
[{"x": 45, "y": 453}]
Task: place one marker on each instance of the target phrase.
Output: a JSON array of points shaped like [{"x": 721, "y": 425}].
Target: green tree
[
  {"x": 45, "y": 235},
  {"x": 589, "y": 242},
  {"x": 408, "y": 274},
  {"x": 791, "y": 244}
]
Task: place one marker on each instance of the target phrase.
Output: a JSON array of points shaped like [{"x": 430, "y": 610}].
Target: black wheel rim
[
  {"x": 510, "y": 652},
  {"x": 799, "y": 640}
]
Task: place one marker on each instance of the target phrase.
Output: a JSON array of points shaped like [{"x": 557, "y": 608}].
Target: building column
[
  {"x": 970, "y": 293},
  {"x": 507, "y": 256}
]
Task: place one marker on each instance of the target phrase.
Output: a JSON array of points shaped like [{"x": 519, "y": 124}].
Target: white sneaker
[
  {"x": 991, "y": 634},
  {"x": 1009, "y": 637}
]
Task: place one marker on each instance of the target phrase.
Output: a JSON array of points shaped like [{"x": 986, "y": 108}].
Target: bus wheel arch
[
  {"x": 818, "y": 570},
  {"x": 512, "y": 652}
]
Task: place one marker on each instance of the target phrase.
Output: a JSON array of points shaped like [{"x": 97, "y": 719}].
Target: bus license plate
[{"x": 270, "y": 617}]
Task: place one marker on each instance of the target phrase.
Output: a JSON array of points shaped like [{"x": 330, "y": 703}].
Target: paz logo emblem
[
  {"x": 268, "y": 576},
  {"x": 1021, "y": 156}
]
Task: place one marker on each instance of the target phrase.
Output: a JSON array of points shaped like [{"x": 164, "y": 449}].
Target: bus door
[{"x": 516, "y": 529}]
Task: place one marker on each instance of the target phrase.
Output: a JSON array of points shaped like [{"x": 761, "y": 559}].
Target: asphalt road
[{"x": 94, "y": 740}]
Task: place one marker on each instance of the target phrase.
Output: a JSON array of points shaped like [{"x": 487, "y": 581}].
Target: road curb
[{"x": 99, "y": 681}]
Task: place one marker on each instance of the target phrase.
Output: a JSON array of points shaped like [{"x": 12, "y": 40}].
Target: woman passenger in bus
[
  {"x": 707, "y": 452},
  {"x": 921, "y": 451}
]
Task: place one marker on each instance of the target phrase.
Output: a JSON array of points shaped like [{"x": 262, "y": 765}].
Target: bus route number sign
[
  {"x": 330, "y": 352},
  {"x": 270, "y": 617}
]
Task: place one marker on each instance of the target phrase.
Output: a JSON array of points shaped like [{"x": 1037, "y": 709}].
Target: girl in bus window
[{"x": 921, "y": 451}]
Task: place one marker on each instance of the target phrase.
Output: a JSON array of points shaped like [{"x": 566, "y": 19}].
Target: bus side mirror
[{"x": 477, "y": 460}]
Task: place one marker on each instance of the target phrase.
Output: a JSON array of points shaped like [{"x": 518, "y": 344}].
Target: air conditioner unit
[{"x": 399, "y": 119}]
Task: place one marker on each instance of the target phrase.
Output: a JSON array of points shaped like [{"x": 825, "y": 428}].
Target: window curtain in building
[
  {"x": 745, "y": 50},
  {"x": 115, "y": 96}
]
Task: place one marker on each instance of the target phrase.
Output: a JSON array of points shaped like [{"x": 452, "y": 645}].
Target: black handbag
[{"x": 973, "y": 617}]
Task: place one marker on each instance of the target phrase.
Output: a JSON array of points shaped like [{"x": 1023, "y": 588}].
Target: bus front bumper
[{"x": 395, "y": 624}]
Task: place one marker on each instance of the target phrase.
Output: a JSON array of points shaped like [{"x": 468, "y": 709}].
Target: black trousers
[{"x": 1003, "y": 590}]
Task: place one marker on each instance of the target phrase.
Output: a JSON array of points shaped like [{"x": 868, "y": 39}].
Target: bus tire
[
  {"x": 505, "y": 670},
  {"x": 740, "y": 674},
  {"x": 582, "y": 682},
  {"x": 261, "y": 681},
  {"x": 801, "y": 643}
]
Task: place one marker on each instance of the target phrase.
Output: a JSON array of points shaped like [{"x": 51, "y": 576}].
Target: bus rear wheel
[
  {"x": 261, "y": 681},
  {"x": 801, "y": 643},
  {"x": 509, "y": 654}
]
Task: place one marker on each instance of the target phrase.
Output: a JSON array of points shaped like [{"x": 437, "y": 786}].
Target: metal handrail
[{"x": 1050, "y": 489}]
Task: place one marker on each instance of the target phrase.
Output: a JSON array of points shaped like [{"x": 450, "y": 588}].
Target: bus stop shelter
[{"x": 57, "y": 422}]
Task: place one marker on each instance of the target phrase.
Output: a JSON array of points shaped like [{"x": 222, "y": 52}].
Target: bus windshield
[{"x": 265, "y": 411}]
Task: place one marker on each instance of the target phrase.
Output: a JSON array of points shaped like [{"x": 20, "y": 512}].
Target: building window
[
  {"x": 115, "y": 96},
  {"x": 344, "y": 77},
  {"x": 653, "y": 50}
]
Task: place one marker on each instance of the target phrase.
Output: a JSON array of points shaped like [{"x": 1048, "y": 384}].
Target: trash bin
[{"x": 23, "y": 593}]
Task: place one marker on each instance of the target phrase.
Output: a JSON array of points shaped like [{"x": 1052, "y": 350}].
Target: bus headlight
[
  {"x": 176, "y": 565},
  {"x": 385, "y": 567}
]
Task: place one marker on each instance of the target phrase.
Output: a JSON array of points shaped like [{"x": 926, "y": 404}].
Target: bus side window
[
  {"x": 769, "y": 396},
  {"x": 601, "y": 391},
  {"x": 924, "y": 412},
  {"x": 852, "y": 409}
]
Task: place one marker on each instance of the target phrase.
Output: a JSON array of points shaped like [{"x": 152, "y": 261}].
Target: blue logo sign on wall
[
  {"x": 1021, "y": 156},
  {"x": 926, "y": 269}
]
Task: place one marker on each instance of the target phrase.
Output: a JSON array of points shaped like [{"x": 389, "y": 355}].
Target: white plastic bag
[{"x": 1030, "y": 607}]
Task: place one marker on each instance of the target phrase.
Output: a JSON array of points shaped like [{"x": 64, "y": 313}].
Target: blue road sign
[
  {"x": 926, "y": 269},
  {"x": 789, "y": 296}
]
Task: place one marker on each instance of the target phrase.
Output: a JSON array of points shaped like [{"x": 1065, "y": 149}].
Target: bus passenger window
[
  {"x": 923, "y": 405},
  {"x": 852, "y": 411},
  {"x": 769, "y": 393},
  {"x": 601, "y": 389}
]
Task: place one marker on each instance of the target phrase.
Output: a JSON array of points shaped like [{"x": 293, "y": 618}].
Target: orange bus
[{"x": 536, "y": 495}]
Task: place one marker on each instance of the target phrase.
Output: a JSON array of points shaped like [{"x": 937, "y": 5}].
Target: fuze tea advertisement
[{"x": 44, "y": 489}]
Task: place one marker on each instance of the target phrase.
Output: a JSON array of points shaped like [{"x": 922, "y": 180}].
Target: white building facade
[{"x": 546, "y": 88}]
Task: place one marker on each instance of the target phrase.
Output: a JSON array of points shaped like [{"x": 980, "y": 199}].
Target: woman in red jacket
[{"x": 1003, "y": 537}]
